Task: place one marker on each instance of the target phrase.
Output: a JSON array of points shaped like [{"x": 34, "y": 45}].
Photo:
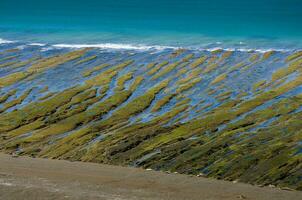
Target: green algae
[
  {"x": 7, "y": 64},
  {"x": 121, "y": 81},
  {"x": 259, "y": 85},
  {"x": 160, "y": 103},
  {"x": 170, "y": 67},
  {"x": 79, "y": 124},
  {"x": 218, "y": 79},
  {"x": 35, "y": 110},
  {"x": 177, "y": 53},
  {"x": 26, "y": 128},
  {"x": 191, "y": 75},
  {"x": 219, "y": 117},
  {"x": 150, "y": 65},
  {"x": 85, "y": 60},
  {"x": 224, "y": 96},
  {"x": 74, "y": 121},
  {"x": 189, "y": 85},
  {"x": 267, "y": 55},
  {"x": 157, "y": 67},
  {"x": 7, "y": 95},
  {"x": 121, "y": 115},
  {"x": 198, "y": 62},
  {"x": 226, "y": 55},
  {"x": 23, "y": 63},
  {"x": 294, "y": 56},
  {"x": 44, "y": 64},
  {"x": 213, "y": 65},
  {"x": 46, "y": 96},
  {"x": 16, "y": 101},
  {"x": 282, "y": 72},
  {"x": 18, "y": 64},
  {"x": 128, "y": 137},
  {"x": 237, "y": 66},
  {"x": 254, "y": 57},
  {"x": 137, "y": 81},
  {"x": 40, "y": 66},
  {"x": 166, "y": 70},
  {"x": 97, "y": 68},
  {"x": 13, "y": 78}
]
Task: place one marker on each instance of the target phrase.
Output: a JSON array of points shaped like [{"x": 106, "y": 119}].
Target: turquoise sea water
[{"x": 257, "y": 24}]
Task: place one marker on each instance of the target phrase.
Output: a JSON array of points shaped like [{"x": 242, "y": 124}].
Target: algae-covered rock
[{"x": 224, "y": 114}]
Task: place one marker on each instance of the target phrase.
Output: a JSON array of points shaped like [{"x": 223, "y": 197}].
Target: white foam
[
  {"x": 114, "y": 46},
  {"x": 158, "y": 47},
  {"x": 37, "y": 44},
  {"x": 2, "y": 41},
  {"x": 244, "y": 49},
  {"x": 125, "y": 46},
  {"x": 47, "y": 49}
]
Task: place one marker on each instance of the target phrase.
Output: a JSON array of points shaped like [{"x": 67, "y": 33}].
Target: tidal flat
[{"x": 224, "y": 114}]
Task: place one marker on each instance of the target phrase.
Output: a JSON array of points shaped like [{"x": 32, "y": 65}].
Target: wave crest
[
  {"x": 114, "y": 46},
  {"x": 3, "y": 41}
]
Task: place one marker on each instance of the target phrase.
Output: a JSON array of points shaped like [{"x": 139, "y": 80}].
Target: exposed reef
[{"x": 225, "y": 114}]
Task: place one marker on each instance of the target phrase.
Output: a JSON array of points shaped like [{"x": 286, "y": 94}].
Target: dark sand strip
[{"x": 27, "y": 178}]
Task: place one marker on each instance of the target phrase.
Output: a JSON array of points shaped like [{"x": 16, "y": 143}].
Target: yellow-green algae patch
[
  {"x": 83, "y": 123},
  {"x": 166, "y": 70},
  {"x": 212, "y": 66},
  {"x": 120, "y": 116},
  {"x": 294, "y": 56},
  {"x": 282, "y": 72},
  {"x": 88, "y": 59},
  {"x": 34, "y": 110},
  {"x": 219, "y": 78},
  {"x": 121, "y": 81},
  {"x": 7, "y": 64},
  {"x": 189, "y": 85},
  {"x": 220, "y": 116},
  {"x": 13, "y": 78},
  {"x": 97, "y": 68},
  {"x": 7, "y": 95},
  {"x": 254, "y": 57},
  {"x": 259, "y": 85},
  {"x": 160, "y": 103},
  {"x": 46, "y": 96},
  {"x": 268, "y": 54},
  {"x": 23, "y": 63},
  {"x": 40, "y": 66},
  {"x": 198, "y": 62},
  {"x": 54, "y": 61},
  {"x": 16, "y": 101},
  {"x": 150, "y": 65},
  {"x": 177, "y": 52},
  {"x": 157, "y": 67}
]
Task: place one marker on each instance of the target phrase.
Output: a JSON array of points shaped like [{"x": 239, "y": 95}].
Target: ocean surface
[{"x": 239, "y": 24}]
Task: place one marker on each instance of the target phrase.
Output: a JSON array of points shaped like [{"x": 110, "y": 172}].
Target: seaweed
[
  {"x": 180, "y": 107},
  {"x": 218, "y": 79},
  {"x": 85, "y": 60},
  {"x": 97, "y": 68},
  {"x": 13, "y": 78}
]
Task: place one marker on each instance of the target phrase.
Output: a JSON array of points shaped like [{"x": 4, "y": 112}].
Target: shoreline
[
  {"x": 38, "y": 178},
  {"x": 218, "y": 46}
]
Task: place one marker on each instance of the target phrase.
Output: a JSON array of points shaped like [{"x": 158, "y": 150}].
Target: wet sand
[{"x": 34, "y": 178}]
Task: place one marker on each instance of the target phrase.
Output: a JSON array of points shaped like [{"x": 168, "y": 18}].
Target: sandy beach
[{"x": 34, "y": 178}]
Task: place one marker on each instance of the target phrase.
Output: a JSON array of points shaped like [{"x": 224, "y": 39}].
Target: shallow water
[{"x": 134, "y": 24}]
